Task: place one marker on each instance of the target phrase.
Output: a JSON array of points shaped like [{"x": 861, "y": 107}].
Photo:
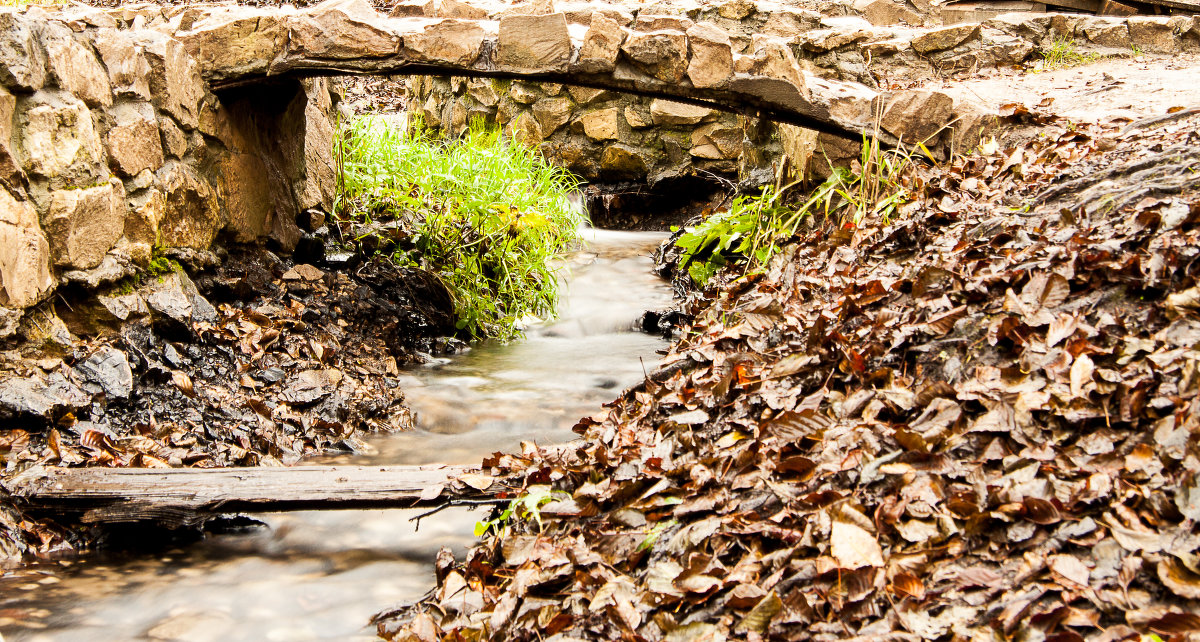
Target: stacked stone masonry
[
  {"x": 140, "y": 127},
  {"x": 857, "y": 47},
  {"x": 113, "y": 148},
  {"x": 824, "y": 74}
]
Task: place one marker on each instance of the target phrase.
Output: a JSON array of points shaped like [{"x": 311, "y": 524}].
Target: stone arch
[{"x": 694, "y": 64}]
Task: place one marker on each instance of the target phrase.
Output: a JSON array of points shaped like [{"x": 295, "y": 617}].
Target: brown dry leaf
[
  {"x": 1070, "y": 568},
  {"x": 943, "y": 323},
  {"x": 1081, "y": 375},
  {"x": 696, "y": 632},
  {"x": 908, "y": 585},
  {"x": 853, "y": 547},
  {"x": 759, "y": 618},
  {"x": 1177, "y": 577},
  {"x": 1003, "y": 469},
  {"x": 183, "y": 383},
  {"x": 1041, "y": 511},
  {"x": 478, "y": 481},
  {"x": 1176, "y": 623}
]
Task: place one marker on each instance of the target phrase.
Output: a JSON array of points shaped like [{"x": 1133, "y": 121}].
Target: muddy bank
[
  {"x": 978, "y": 420},
  {"x": 257, "y": 361}
]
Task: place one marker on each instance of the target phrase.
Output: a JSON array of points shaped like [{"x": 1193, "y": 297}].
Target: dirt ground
[{"x": 1106, "y": 91}]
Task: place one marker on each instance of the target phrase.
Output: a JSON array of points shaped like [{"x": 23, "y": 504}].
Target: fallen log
[{"x": 178, "y": 497}]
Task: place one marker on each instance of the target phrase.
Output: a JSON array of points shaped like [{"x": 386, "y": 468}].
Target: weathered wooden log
[{"x": 186, "y": 496}]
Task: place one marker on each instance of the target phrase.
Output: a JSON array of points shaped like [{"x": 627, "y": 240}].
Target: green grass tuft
[
  {"x": 755, "y": 227},
  {"x": 488, "y": 217},
  {"x": 1063, "y": 54}
]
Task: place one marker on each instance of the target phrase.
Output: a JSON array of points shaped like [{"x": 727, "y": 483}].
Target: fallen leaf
[{"x": 853, "y": 547}]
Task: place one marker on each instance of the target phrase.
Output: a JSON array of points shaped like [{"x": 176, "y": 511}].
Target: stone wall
[
  {"x": 598, "y": 134},
  {"x": 879, "y": 44},
  {"x": 112, "y": 149}
]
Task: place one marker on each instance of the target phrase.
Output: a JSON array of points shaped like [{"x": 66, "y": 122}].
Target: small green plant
[
  {"x": 653, "y": 534},
  {"x": 1063, "y": 54},
  {"x": 159, "y": 265},
  {"x": 527, "y": 506},
  {"x": 486, "y": 216},
  {"x": 754, "y": 226}
]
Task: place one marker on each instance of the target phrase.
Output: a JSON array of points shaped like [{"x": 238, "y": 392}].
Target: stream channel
[{"x": 322, "y": 575}]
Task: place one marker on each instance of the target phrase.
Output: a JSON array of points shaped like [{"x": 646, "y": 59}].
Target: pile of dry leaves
[{"x": 979, "y": 422}]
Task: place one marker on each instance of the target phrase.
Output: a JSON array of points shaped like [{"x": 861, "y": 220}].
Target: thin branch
[{"x": 453, "y": 503}]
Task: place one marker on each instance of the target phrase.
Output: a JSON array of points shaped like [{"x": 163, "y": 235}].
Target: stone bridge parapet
[{"x": 139, "y": 130}]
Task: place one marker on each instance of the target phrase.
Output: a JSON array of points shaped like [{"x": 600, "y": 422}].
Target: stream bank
[
  {"x": 320, "y": 575},
  {"x": 978, "y": 420},
  {"x": 260, "y": 361}
]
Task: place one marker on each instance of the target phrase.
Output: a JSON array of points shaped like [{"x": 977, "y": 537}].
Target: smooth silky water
[{"x": 321, "y": 575}]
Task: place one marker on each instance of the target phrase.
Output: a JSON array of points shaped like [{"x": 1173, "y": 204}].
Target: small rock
[
  {"x": 711, "y": 64},
  {"x": 886, "y": 12},
  {"x": 24, "y": 63},
  {"x": 552, "y": 113},
  {"x": 534, "y": 43},
  {"x": 716, "y": 141},
  {"x": 1155, "y": 34},
  {"x": 648, "y": 22},
  {"x": 41, "y": 397},
  {"x": 589, "y": 95},
  {"x": 172, "y": 355},
  {"x": 59, "y": 139},
  {"x": 736, "y": 9},
  {"x": 303, "y": 272},
  {"x": 523, "y": 93},
  {"x": 453, "y": 41},
  {"x": 623, "y": 160},
  {"x": 662, "y": 54},
  {"x": 918, "y": 116},
  {"x": 270, "y": 375},
  {"x": 124, "y": 306},
  {"x": 456, "y": 9},
  {"x": 637, "y": 117},
  {"x": 175, "y": 298},
  {"x": 525, "y": 129},
  {"x": 109, "y": 369},
  {"x": 601, "y": 45},
  {"x": 25, "y": 275},
  {"x": 75, "y": 66},
  {"x": 128, "y": 68},
  {"x": 10, "y": 320},
  {"x": 110, "y": 270},
  {"x": 940, "y": 39},
  {"x": 669, "y": 112},
  {"x": 191, "y": 218},
  {"x": 311, "y": 385},
  {"x": 84, "y": 224},
  {"x": 601, "y": 124},
  {"x": 134, "y": 144},
  {"x": 10, "y": 164},
  {"x": 1106, "y": 32}
]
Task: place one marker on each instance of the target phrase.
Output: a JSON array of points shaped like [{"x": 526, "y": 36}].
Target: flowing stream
[{"x": 321, "y": 575}]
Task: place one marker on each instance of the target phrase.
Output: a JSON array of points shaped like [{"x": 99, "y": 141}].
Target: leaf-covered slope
[{"x": 980, "y": 422}]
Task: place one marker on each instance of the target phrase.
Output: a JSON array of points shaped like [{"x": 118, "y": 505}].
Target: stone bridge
[
  {"x": 656, "y": 56},
  {"x": 142, "y": 129}
]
